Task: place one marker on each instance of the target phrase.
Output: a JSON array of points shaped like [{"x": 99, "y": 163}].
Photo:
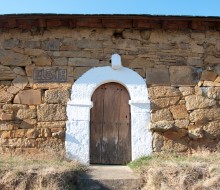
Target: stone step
[{"x": 102, "y": 177}]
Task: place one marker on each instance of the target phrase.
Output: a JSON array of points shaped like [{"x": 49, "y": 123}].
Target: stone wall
[{"x": 182, "y": 71}]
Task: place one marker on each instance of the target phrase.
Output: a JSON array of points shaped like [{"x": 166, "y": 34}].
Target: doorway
[{"x": 110, "y": 125}]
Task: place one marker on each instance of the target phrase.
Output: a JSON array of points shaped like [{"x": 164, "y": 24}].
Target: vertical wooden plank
[
  {"x": 110, "y": 127},
  {"x": 96, "y": 122},
  {"x": 124, "y": 145}
]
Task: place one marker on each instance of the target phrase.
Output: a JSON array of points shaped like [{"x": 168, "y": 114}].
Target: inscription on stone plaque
[{"x": 50, "y": 75}]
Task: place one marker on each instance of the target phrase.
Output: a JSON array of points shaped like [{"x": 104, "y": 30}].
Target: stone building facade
[{"x": 42, "y": 56}]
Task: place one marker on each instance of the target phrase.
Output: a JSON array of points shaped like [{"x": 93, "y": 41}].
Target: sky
[{"x": 153, "y": 7}]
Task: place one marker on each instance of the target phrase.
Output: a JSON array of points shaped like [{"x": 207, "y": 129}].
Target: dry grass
[
  {"x": 174, "y": 172},
  {"x": 39, "y": 172}
]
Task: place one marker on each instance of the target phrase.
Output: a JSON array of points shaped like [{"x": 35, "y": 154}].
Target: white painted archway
[{"x": 78, "y": 111}]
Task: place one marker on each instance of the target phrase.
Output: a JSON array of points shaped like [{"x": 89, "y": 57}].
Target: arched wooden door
[{"x": 110, "y": 128}]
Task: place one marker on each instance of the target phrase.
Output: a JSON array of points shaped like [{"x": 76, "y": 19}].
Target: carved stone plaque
[{"x": 50, "y": 75}]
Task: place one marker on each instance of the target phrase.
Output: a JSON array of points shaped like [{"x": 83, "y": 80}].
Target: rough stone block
[
  {"x": 14, "y": 107},
  {"x": 179, "y": 112},
  {"x": 57, "y": 96},
  {"x": 42, "y": 60},
  {"x": 208, "y": 75},
  {"x": 205, "y": 115},
  {"x": 32, "y": 133},
  {"x": 28, "y": 123},
  {"x": 213, "y": 92},
  {"x": 19, "y": 133},
  {"x": 210, "y": 83},
  {"x": 195, "y": 132},
  {"x": 20, "y": 82},
  {"x": 19, "y": 71},
  {"x": 51, "y": 45},
  {"x": 178, "y": 76},
  {"x": 186, "y": 90},
  {"x": 51, "y": 112},
  {"x": 83, "y": 62},
  {"x": 13, "y": 90},
  {"x": 6, "y": 116},
  {"x": 212, "y": 60},
  {"x": 182, "y": 123},
  {"x": 6, "y": 73},
  {"x": 29, "y": 97},
  {"x": 212, "y": 129},
  {"x": 6, "y": 135},
  {"x": 163, "y": 91},
  {"x": 197, "y": 102},
  {"x": 175, "y": 135},
  {"x": 162, "y": 126},
  {"x": 62, "y": 61},
  {"x": 158, "y": 76},
  {"x": 5, "y": 96},
  {"x": 8, "y": 57},
  {"x": 163, "y": 102},
  {"x": 57, "y": 124},
  {"x": 161, "y": 115},
  {"x": 26, "y": 114}
]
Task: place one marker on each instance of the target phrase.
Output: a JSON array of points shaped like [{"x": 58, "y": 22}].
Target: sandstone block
[
  {"x": 62, "y": 61},
  {"x": 131, "y": 34},
  {"x": 145, "y": 34},
  {"x": 10, "y": 43},
  {"x": 42, "y": 60},
  {"x": 212, "y": 129},
  {"x": 161, "y": 115},
  {"x": 29, "y": 97},
  {"x": 195, "y": 61},
  {"x": 8, "y": 57},
  {"x": 19, "y": 71},
  {"x": 163, "y": 91},
  {"x": 212, "y": 60},
  {"x": 51, "y": 112},
  {"x": 13, "y": 90},
  {"x": 162, "y": 126},
  {"x": 14, "y": 107},
  {"x": 163, "y": 102},
  {"x": 20, "y": 82},
  {"x": 19, "y": 133},
  {"x": 197, "y": 48},
  {"x": 213, "y": 92},
  {"x": 182, "y": 123},
  {"x": 60, "y": 134},
  {"x": 33, "y": 51},
  {"x": 179, "y": 145},
  {"x": 26, "y": 114},
  {"x": 208, "y": 75},
  {"x": 6, "y": 126},
  {"x": 81, "y": 62},
  {"x": 88, "y": 44},
  {"x": 178, "y": 76},
  {"x": 158, "y": 76},
  {"x": 175, "y": 135},
  {"x": 78, "y": 71},
  {"x": 6, "y": 73},
  {"x": 51, "y": 45},
  {"x": 28, "y": 123},
  {"x": 158, "y": 142},
  {"x": 29, "y": 70},
  {"x": 186, "y": 90},
  {"x": 217, "y": 79},
  {"x": 210, "y": 83},
  {"x": 179, "y": 112},
  {"x": 57, "y": 124},
  {"x": 204, "y": 115},
  {"x": 197, "y": 102},
  {"x": 6, "y": 116},
  {"x": 5, "y": 96},
  {"x": 6, "y": 135},
  {"x": 57, "y": 96}
]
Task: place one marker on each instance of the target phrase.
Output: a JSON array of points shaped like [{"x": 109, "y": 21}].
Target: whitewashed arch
[{"x": 78, "y": 111}]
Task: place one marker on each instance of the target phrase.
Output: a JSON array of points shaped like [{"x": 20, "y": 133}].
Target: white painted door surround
[{"x": 78, "y": 110}]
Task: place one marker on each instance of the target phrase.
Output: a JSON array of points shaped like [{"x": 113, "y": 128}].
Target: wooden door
[{"x": 110, "y": 129}]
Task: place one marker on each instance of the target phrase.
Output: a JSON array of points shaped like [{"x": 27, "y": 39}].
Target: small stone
[
  {"x": 208, "y": 75},
  {"x": 32, "y": 133},
  {"x": 13, "y": 90},
  {"x": 57, "y": 96},
  {"x": 217, "y": 79},
  {"x": 5, "y": 96},
  {"x": 42, "y": 60},
  {"x": 20, "y": 82},
  {"x": 210, "y": 83},
  {"x": 6, "y": 117},
  {"x": 158, "y": 142},
  {"x": 19, "y": 133},
  {"x": 26, "y": 114},
  {"x": 197, "y": 102},
  {"x": 51, "y": 112},
  {"x": 30, "y": 70},
  {"x": 179, "y": 112},
  {"x": 6, "y": 73},
  {"x": 161, "y": 115},
  {"x": 195, "y": 132},
  {"x": 6, "y": 135},
  {"x": 60, "y": 134},
  {"x": 183, "y": 124},
  {"x": 162, "y": 126},
  {"x": 29, "y": 97},
  {"x": 19, "y": 71}
]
